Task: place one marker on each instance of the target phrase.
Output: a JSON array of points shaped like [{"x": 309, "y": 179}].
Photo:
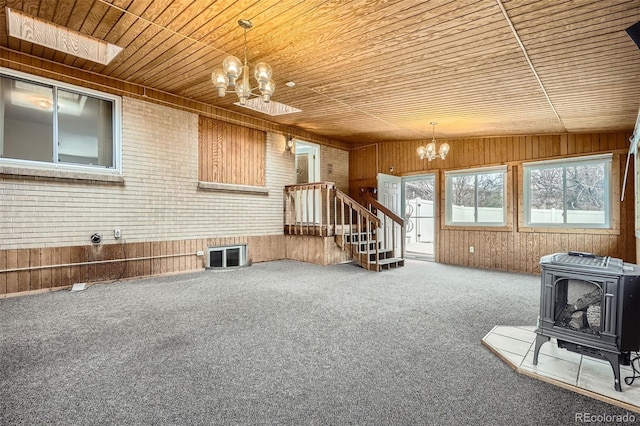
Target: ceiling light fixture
[
  {"x": 429, "y": 151},
  {"x": 232, "y": 68},
  {"x": 289, "y": 144}
]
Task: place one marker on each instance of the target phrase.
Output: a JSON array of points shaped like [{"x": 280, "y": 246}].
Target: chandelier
[
  {"x": 232, "y": 68},
  {"x": 429, "y": 151}
]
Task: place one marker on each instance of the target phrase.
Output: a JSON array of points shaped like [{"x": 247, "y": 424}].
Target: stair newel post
[
  {"x": 402, "y": 238},
  {"x": 306, "y": 210},
  {"x": 328, "y": 204},
  {"x": 292, "y": 211},
  {"x": 314, "y": 199},
  {"x": 385, "y": 237},
  {"x": 393, "y": 237},
  {"x": 366, "y": 232},
  {"x": 350, "y": 209},
  {"x": 335, "y": 208},
  {"x": 287, "y": 209},
  {"x": 359, "y": 227},
  {"x": 377, "y": 257},
  {"x": 342, "y": 218},
  {"x": 345, "y": 210}
]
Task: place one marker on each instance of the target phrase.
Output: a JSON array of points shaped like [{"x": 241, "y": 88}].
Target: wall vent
[{"x": 227, "y": 256}]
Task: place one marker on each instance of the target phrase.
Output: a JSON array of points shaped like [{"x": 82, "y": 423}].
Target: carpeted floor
[{"x": 278, "y": 343}]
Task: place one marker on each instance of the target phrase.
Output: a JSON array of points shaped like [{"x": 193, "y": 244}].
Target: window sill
[
  {"x": 552, "y": 230},
  {"x": 500, "y": 228},
  {"x": 233, "y": 188},
  {"x": 21, "y": 172}
]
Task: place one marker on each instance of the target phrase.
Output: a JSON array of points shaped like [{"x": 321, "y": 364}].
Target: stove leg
[
  {"x": 614, "y": 360},
  {"x": 540, "y": 340}
]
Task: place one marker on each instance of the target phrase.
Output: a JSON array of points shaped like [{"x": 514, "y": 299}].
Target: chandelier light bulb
[
  {"x": 422, "y": 152},
  {"x": 262, "y": 74},
  {"x": 431, "y": 150},
  {"x": 220, "y": 80},
  {"x": 444, "y": 150},
  {"x": 243, "y": 89},
  {"x": 232, "y": 68},
  {"x": 267, "y": 90}
]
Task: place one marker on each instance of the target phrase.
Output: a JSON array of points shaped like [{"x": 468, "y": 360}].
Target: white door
[
  {"x": 389, "y": 193},
  {"x": 308, "y": 171}
]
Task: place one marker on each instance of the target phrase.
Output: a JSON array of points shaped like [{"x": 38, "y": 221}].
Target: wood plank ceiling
[{"x": 375, "y": 70}]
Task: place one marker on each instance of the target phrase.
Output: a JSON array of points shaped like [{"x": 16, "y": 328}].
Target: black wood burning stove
[{"x": 591, "y": 305}]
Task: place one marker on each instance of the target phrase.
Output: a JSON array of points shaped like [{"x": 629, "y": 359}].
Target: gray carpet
[{"x": 277, "y": 343}]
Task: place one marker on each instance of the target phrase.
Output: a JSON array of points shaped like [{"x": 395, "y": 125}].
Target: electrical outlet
[
  {"x": 117, "y": 233},
  {"x": 199, "y": 253},
  {"x": 472, "y": 249}
]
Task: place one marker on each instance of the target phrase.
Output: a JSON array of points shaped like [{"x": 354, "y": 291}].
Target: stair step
[
  {"x": 359, "y": 238},
  {"x": 382, "y": 254},
  {"x": 392, "y": 262},
  {"x": 362, "y": 246}
]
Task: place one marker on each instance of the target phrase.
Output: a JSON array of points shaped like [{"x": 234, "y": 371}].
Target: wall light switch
[{"x": 472, "y": 249}]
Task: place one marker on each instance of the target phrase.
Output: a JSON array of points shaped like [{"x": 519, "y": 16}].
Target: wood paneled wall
[
  {"x": 318, "y": 250},
  {"x": 43, "y": 269},
  {"x": 228, "y": 153},
  {"x": 50, "y": 267},
  {"x": 513, "y": 249}
]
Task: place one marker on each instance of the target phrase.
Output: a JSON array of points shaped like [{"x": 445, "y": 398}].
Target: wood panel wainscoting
[
  {"x": 48, "y": 268},
  {"x": 514, "y": 247},
  {"x": 315, "y": 249}
]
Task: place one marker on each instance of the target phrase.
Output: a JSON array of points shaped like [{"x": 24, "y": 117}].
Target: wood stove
[{"x": 591, "y": 305}]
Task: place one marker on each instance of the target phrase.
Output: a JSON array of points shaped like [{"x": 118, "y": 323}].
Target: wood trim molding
[{"x": 229, "y": 187}]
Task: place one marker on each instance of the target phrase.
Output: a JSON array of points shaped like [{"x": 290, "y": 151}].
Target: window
[
  {"x": 476, "y": 197},
  {"x": 568, "y": 193},
  {"x": 82, "y": 131},
  {"x": 227, "y": 257}
]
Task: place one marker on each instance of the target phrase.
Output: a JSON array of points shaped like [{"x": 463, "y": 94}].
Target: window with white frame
[
  {"x": 476, "y": 197},
  {"x": 81, "y": 131},
  {"x": 568, "y": 192}
]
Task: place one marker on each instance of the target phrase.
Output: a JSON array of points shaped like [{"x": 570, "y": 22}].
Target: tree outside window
[{"x": 476, "y": 198}]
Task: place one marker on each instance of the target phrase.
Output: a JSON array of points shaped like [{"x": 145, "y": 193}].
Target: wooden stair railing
[
  {"x": 307, "y": 209},
  {"x": 390, "y": 222},
  {"x": 320, "y": 209},
  {"x": 356, "y": 231}
]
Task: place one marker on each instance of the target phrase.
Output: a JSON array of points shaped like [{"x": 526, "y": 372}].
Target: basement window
[{"x": 227, "y": 256}]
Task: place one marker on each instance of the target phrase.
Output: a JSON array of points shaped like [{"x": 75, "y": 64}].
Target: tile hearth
[{"x": 583, "y": 374}]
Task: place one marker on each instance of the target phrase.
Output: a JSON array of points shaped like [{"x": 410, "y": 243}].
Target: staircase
[{"x": 369, "y": 233}]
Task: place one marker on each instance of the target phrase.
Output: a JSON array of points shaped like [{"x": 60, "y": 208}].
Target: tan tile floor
[{"x": 586, "y": 375}]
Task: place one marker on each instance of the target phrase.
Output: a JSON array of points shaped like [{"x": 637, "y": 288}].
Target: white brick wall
[{"x": 159, "y": 199}]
